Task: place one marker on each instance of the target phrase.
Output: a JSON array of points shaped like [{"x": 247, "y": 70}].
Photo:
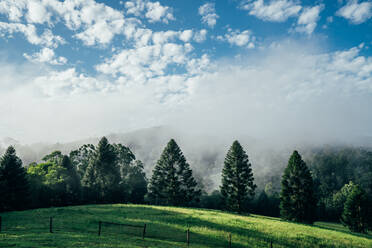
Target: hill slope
[{"x": 165, "y": 227}]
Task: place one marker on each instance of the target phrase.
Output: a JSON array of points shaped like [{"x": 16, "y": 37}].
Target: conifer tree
[
  {"x": 102, "y": 176},
  {"x": 356, "y": 211},
  {"x": 172, "y": 182},
  {"x": 13, "y": 181},
  {"x": 237, "y": 179},
  {"x": 297, "y": 200}
]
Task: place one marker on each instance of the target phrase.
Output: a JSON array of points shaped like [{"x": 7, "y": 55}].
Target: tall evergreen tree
[
  {"x": 356, "y": 211},
  {"x": 172, "y": 182},
  {"x": 102, "y": 176},
  {"x": 297, "y": 200},
  {"x": 13, "y": 182},
  {"x": 237, "y": 179}
]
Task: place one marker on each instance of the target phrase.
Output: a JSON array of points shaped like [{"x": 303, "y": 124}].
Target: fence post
[
  {"x": 188, "y": 237},
  {"x": 51, "y": 224},
  {"x": 99, "y": 228},
  {"x": 271, "y": 244},
  {"x": 230, "y": 240},
  {"x": 144, "y": 231}
]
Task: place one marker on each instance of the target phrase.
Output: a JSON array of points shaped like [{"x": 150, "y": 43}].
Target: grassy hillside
[{"x": 166, "y": 227}]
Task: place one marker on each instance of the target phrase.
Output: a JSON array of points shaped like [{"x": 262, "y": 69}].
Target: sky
[{"x": 284, "y": 71}]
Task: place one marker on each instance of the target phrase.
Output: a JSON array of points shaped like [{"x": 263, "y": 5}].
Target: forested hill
[{"x": 335, "y": 165}]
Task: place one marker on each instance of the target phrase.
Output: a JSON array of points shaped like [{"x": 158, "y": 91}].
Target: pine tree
[
  {"x": 297, "y": 200},
  {"x": 189, "y": 187},
  {"x": 13, "y": 181},
  {"x": 102, "y": 176},
  {"x": 356, "y": 211},
  {"x": 237, "y": 179},
  {"x": 172, "y": 182}
]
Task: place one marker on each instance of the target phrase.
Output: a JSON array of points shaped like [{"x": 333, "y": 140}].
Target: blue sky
[{"x": 231, "y": 66}]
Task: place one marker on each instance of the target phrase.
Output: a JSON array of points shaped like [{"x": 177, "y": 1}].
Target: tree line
[{"x": 110, "y": 173}]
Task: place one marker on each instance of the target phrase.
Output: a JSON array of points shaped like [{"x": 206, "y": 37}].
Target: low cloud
[{"x": 282, "y": 94}]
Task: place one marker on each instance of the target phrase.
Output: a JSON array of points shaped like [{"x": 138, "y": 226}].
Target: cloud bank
[{"x": 284, "y": 94}]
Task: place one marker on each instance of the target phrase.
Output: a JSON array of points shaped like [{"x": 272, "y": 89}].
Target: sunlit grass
[{"x": 166, "y": 227}]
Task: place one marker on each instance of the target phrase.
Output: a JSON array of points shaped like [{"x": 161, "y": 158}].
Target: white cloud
[
  {"x": 99, "y": 23},
  {"x": 166, "y": 36},
  {"x": 69, "y": 82},
  {"x": 308, "y": 19},
  {"x": 162, "y": 37},
  {"x": 314, "y": 96},
  {"x": 95, "y": 23},
  {"x": 101, "y": 32},
  {"x": 46, "y": 55},
  {"x": 239, "y": 38},
  {"x": 208, "y": 13},
  {"x": 135, "y": 7},
  {"x": 13, "y": 9},
  {"x": 145, "y": 62},
  {"x": 153, "y": 11},
  {"x": 29, "y": 31},
  {"x": 200, "y": 36},
  {"x": 199, "y": 65},
  {"x": 186, "y": 35},
  {"x": 37, "y": 12},
  {"x": 356, "y": 12},
  {"x": 274, "y": 10},
  {"x": 156, "y": 12},
  {"x": 350, "y": 61}
]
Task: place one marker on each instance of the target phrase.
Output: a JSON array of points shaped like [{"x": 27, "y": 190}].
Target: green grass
[{"x": 166, "y": 227}]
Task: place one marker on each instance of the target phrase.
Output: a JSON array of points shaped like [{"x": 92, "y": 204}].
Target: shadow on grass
[
  {"x": 338, "y": 229},
  {"x": 165, "y": 228}
]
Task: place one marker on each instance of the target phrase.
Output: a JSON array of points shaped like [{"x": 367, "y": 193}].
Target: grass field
[{"x": 165, "y": 227}]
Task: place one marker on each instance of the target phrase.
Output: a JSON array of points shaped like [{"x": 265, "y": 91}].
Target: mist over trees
[{"x": 112, "y": 173}]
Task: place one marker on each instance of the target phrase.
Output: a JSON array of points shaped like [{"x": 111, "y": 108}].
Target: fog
[{"x": 282, "y": 97}]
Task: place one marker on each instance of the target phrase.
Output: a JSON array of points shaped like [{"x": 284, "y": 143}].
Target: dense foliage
[
  {"x": 172, "y": 182},
  {"x": 110, "y": 173},
  {"x": 13, "y": 182},
  {"x": 101, "y": 180},
  {"x": 332, "y": 169},
  {"x": 297, "y": 200},
  {"x": 356, "y": 211},
  {"x": 237, "y": 179}
]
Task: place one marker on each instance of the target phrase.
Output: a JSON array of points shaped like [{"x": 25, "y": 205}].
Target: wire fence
[{"x": 58, "y": 225}]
